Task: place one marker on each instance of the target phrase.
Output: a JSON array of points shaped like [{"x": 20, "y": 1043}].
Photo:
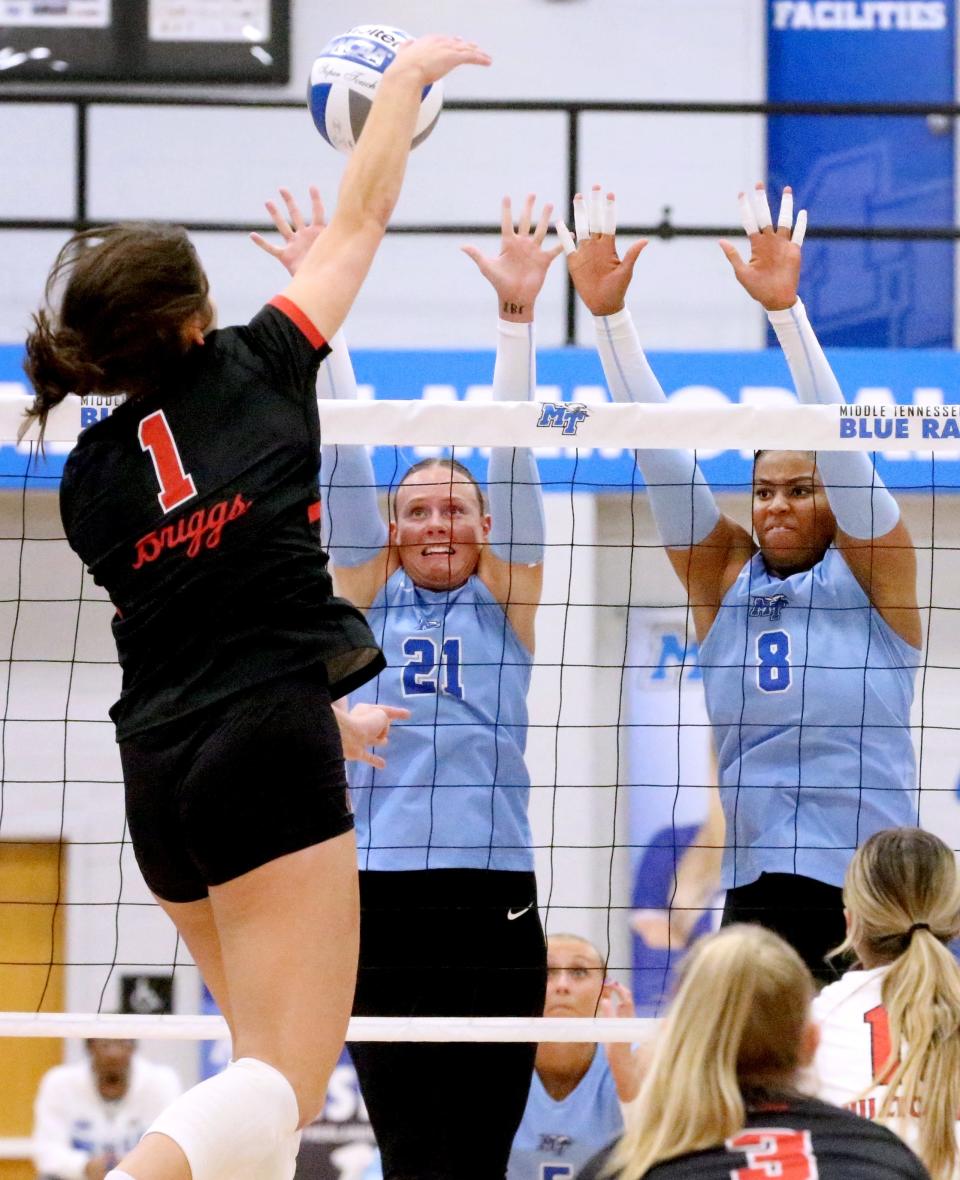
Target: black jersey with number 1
[
  {"x": 794, "y": 1138},
  {"x": 197, "y": 508}
]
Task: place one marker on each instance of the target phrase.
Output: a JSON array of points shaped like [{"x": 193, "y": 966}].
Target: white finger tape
[
  {"x": 747, "y": 216},
  {"x": 595, "y": 208},
  {"x": 566, "y": 238},
  {"x": 785, "y": 220},
  {"x": 764, "y": 220},
  {"x": 800, "y": 229},
  {"x": 580, "y": 222},
  {"x": 609, "y": 217}
]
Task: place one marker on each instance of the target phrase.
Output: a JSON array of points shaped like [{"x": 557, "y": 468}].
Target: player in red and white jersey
[
  {"x": 895, "y": 1018},
  {"x": 721, "y": 1097},
  {"x": 195, "y": 506}
]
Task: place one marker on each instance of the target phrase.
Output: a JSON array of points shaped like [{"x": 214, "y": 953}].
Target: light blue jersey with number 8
[
  {"x": 455, "y": 790},
  {"x": 809, "y": 694}
]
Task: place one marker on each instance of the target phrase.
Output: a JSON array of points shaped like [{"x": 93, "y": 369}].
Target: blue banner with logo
[
  {"x": 868, "y": 171},
  {"x": 573, "y": 375}
]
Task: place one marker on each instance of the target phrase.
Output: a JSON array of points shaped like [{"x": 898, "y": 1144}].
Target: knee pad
[{"x": 228, "y": 1124}]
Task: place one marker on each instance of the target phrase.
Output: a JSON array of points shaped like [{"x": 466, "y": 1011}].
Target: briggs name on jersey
[
  {"x": 860, "y": 15},
  {"x": 201, "y": 529}
]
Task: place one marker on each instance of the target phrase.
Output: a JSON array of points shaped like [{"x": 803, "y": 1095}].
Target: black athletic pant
[
  {"x": 806, "y": 913},
  {"x": 447, "y": 942}
]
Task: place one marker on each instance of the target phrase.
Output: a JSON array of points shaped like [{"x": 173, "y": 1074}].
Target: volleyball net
[{"x": 619, "y": 744}]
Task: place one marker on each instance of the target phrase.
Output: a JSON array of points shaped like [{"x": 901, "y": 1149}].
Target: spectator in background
[
  {"x": 574, "y": 1106},
  {"x": 87, "y": 1116}
]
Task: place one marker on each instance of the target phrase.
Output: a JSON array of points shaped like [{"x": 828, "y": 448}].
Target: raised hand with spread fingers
[
  {"x": 519, "y": 270},
  {"x": 298, "y": 235},
  {"x": 599, "y": 274},
  {"x": 772, "y": 273}
]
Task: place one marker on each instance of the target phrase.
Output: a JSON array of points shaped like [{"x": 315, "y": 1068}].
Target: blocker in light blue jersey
[
  {"x": 809, "y": 693},
  {"x": 455, "y": 790},
  {"x": 555, "y": 1139}
]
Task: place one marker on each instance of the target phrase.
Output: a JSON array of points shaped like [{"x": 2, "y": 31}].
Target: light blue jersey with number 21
[
  {"x": 455, "y": 790},
  {"x": 809, "y": 693}
]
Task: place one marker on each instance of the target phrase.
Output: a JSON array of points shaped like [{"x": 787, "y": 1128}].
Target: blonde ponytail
[
  {"x": 735, "y": 1024},
  {"x": 902, "y": 893}
]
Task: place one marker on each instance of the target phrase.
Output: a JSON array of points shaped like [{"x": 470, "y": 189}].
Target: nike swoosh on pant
[{"x": 513, "y": 914}]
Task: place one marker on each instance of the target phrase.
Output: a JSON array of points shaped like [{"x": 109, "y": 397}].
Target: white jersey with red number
[{"x": 854, "y": 1047}]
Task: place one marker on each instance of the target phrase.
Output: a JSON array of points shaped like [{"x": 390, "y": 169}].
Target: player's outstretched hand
[
  {"x": 364, "y": 726},
  {"x": 518, "y": 271},
  {"x": 599, "y": 274},
  {"x": 434, "y": 56},
  {"x": 616, "y": 1001},
  {"x": 772, "y": 274},
  {"x": 298, "y": 235}
]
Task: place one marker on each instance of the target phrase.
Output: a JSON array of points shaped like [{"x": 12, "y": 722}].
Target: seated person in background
[
  {"x": 87, "y": 1116},
  {"x": 577, "y": 1089},
  {"x": 720, "y": 1097},
  {"x": 890, "y": 1028}
]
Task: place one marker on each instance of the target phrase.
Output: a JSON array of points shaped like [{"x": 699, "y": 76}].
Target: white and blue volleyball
[{"x": 344, "y": 79}]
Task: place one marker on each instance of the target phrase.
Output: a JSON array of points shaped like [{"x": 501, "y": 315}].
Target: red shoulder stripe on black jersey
[
  {"x": 314, "y": 511},
  {"x": 298, "y": 317}
]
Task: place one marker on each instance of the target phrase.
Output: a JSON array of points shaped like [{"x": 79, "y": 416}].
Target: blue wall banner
[
  {"x": 865, "y": 170},
  {"x": 707, "y": 379},
  {"x": 673, "y": 800}
]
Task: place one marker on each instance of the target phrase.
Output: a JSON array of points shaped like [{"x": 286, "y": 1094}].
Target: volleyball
[{"x": 344, "y": 79}]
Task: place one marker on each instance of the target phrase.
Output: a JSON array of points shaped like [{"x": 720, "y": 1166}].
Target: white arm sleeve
[
  {"x": 517, "y": 527},
  {"x": 859, "y": 499},
  {"x": 683, "y": 505}
]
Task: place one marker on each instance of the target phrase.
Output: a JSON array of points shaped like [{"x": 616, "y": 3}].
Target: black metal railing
[{"x": 664, "y": 229}]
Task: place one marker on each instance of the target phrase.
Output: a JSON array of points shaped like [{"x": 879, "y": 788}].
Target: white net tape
[
  {"x": 362, "y": 1028},
  {"x": 609, "y": 427}
]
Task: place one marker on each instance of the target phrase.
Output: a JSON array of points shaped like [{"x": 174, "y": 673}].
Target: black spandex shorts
[
  {"x": 447, "y": 942},
  {"x": 222, "y": 791},
  {"x": 806, "y": 913}
]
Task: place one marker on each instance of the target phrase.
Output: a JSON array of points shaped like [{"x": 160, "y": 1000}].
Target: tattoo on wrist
[{"x": 513, "y": 308}]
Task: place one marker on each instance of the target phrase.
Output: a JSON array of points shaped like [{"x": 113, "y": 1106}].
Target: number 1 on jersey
[{"x": 176, "y": 486}]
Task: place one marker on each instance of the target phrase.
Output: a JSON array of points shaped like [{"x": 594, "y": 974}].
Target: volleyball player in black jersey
[
  {"x": 195, "y": 506},
  {"x": 721, "y": 1096}
]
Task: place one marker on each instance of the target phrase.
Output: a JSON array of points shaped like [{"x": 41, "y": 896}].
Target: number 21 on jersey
[
  {"x": 432, "y": 667},
  {"x": 176, "y": 486}
]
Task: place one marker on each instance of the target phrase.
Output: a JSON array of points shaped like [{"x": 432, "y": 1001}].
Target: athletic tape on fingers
[
  {"x": 800, "y": 228},
  {"x": 566, "y": 238},
  {"x": 748, "y": 218},
  {"x": 609, "y": 217},
  {"x": 785, "y": 220},
  {"x": 596, "y": 211},
  {"x": 580, "y": 222},
  {"x": 764, "y": 220}
]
